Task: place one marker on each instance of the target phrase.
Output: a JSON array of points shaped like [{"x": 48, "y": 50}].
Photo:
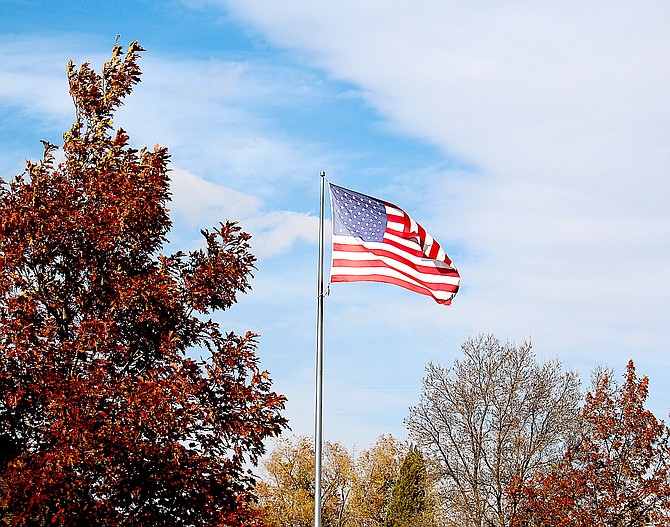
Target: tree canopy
[
  {"x": 497, "y": 415},
  {"x": 286, "y": 495},
  {"x": 616, "y": 475},
  {"x": 358, "y": 490},
  {"x": 409, "y": 504},
  {"x": 105, "y": 416}
]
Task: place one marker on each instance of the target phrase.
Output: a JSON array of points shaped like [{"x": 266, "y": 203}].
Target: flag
[{"x": 376, "y": 241}]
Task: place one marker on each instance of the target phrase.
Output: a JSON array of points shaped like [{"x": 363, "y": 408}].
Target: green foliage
[
  {"x": 408, "y": 497},
  {"x": 377, "y": 470},
  {"x": 357, "y": 490}
]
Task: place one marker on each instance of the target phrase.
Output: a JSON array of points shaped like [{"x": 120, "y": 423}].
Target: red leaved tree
[
  {"x": 618, "y": 473},
  {"x": 104, "y": 418}
]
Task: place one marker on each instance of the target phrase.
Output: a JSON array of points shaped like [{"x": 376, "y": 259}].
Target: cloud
[
  {"x": 525, "y": 90},
  {"x": 217, "y": 118},
  {"x": 33, "y": 78},
  {"x": 549, "y": 191},
  {"x": 197, "y": 203},
  {"x": 562, "y": 110},
  {"x": 216, "y": 115}
]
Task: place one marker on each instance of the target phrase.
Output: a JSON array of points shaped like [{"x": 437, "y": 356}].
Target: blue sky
[{"x": 530, "y": 139}]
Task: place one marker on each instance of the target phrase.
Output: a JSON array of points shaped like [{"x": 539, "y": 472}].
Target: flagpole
[{"x": 318, "y": 410}]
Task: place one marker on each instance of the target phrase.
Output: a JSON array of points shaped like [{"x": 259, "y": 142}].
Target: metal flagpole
[{"x": 318, "y": 411}]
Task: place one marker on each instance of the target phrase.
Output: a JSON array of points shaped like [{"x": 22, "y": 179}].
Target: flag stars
[{"x": 358, "y": 215}]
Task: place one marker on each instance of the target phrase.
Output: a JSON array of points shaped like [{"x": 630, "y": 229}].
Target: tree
[
  {"x": 357, "y": 490},
  {"x": 286, "y": 494},
  {"x": 104, "y": 417},
  {"x": 617, "y": 475},
  {"x": 377, "y": 470},
  {"x": 495, "y": 416},
  {"x": 409, "y": 505},
  {"x": 338, "y": 480}
]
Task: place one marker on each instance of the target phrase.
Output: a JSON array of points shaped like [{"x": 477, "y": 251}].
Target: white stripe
[
  {"x": 385, "y": 271},
  {"x": 413, "y": 227},
  {"x": 362, "y": 256},
  {"x": 350, "y": 240},
  {"x": 427, "y": 244},
  {"x": 409, "y": 243},
  {"x": 395, "y": 226},
  {"x": 413, "y": 241},
  {"x": 440, "y": 257},
  {"x": 424, "y": 277},
  {"x": 395, "y": 211}
]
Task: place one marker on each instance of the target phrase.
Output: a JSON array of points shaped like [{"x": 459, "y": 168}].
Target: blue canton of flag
[{"x": 358, "y": 215}]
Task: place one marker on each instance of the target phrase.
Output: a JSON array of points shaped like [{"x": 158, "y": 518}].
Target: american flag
[{"x": 375, "y": 241}]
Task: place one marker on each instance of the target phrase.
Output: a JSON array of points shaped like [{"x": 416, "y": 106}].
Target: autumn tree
[
  {"x": 617, "y": 475},
  {"x": 357, "y": 488},
  {"x": 286, "y": 493},
  {"x": 105, "y": 419},
  {"x": 286, "y": 490},
  {"x": 377, "y": 470},
  {"x": 495, "y": 416}
]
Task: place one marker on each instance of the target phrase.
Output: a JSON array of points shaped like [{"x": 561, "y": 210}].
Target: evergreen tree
[{"x": 408, "y": 497}]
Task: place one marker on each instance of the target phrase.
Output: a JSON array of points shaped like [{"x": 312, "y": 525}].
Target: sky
[{"x": 531, "y": 139}]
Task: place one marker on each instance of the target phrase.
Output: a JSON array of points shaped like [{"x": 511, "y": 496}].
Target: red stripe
[
  {"x": 416, "y": 277},
  {"x": 423, "y": 269},
  {"x": 391, "y": 280},
  {"x": 422, "y": 236},
  {"x": 434, "y": 250},
  {"x": 342, "y": 265},
  {"x": 398, "y": 218},
  {"x": 430, "y": 252},
  {"x": 371, "y": 264},
  {"x": 404, "y": 248}
]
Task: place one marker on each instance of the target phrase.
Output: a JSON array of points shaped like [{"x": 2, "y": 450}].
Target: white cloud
[
  {"x": 197, "y": 203},
  {"x": 33, "y": 78},
  {"x": 203, "y": 110},
  {"x": 526, "y": 90},
  {"x": 209, "y": 113}
]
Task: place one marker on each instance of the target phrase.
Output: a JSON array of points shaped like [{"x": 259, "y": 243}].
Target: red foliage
[
  {"x": 104, "y": 419},
  {"x": 617, "y": 474}
]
